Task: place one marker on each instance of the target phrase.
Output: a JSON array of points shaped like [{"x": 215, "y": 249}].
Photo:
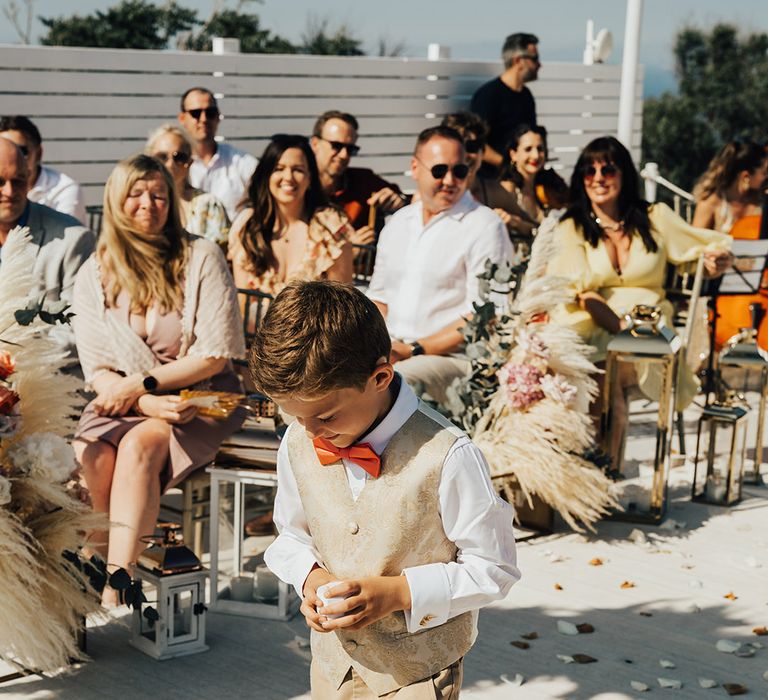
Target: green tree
[
  {"x": 133, "y": 24},
  {"x": 238, "y": 25},
  {"x": 722, "y": 93},
  {"x": 319, "y": 40}
]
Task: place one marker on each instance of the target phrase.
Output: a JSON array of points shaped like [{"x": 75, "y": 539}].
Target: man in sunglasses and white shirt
[
  {"x": 427, "y": 262},
  {"x": 356, "y": 190},
  {"x": 218, "y": 168}
]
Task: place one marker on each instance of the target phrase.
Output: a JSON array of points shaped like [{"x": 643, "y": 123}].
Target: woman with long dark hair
[
  {"x": 613, "y": 246},
  {"x": 288, "y": 230}
]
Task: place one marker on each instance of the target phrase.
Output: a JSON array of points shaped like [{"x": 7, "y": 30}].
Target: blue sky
[{"x": 476, "y": 28}]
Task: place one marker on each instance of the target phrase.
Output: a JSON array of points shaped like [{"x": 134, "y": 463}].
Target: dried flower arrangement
[
  {"x": 525, "y": 403},
  {"x": 42, "y": 520}
]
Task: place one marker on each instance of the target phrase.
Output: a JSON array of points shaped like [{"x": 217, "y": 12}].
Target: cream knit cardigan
[{"x": 211, "y": 324}]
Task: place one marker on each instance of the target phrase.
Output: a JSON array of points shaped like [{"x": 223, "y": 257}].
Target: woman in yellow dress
[{"x": 613, "y": 246}]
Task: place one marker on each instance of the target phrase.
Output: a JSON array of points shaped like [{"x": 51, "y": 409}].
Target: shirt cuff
[
  {"x": 302, "y": 568},
  {"x": 430, "y": 597}
]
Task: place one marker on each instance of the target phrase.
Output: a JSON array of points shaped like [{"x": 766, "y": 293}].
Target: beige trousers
[
  {"x": 444, "y": 685},
  {"x": 434, "y": 372}
]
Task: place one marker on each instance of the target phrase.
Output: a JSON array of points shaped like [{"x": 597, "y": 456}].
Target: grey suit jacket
[{"x": 63, "y": 244}]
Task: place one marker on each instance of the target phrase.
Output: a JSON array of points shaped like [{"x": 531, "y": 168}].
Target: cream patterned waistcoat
[{"x": 394, "y": 524}]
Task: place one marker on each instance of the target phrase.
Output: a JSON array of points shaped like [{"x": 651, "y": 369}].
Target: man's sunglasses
[
  {"x": 210, "y": 113},
  {"x": 460, "y": 170},
  {"x": 531, "y": 56},
  {"x": 352, "y": 148},
  {"x": 473, "y": 145},
  {"x": 608, "y": 171},
  {"x": 179, "y": 157}
]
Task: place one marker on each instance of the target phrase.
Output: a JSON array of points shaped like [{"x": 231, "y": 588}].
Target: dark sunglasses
[
  {"x": 473, "y": 145},
  {"x": 179, "y": 157},
  {"x": 352, "y": 148},
  {"x": 608, "y": 171},
  {"x": 24, "y": 151},
  {"x": 531, "y": 56},
  {"x": 210, "y": 113},
  {"x": 460, "y": 170}
]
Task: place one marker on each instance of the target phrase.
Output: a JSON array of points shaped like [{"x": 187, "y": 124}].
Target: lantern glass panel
[{"x": 182, "y": 622}]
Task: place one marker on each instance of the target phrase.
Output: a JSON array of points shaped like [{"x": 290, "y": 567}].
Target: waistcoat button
[
  {"x": 350, "y": 645},
  {"x": 353, "y": 527}
]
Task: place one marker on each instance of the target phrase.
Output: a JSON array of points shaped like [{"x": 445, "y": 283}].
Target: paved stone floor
[{"x": 700, "y": 577}]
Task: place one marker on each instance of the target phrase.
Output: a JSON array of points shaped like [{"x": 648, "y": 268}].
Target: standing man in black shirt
[{"x": 505, "y": 102}]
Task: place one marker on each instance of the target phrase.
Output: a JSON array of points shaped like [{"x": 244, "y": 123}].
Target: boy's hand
[
  {"x": 369, "y": 599},
  {"x": 316, "y": 578}
]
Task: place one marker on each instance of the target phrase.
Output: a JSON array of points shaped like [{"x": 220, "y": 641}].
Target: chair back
[
  {"x": 364, "y": 257},
  {"x": 253, "y": 305},
  {"x": 95, "y": 213}
]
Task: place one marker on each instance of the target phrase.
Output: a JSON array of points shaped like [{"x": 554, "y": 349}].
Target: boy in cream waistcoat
[{"x": 378, "y": 493}]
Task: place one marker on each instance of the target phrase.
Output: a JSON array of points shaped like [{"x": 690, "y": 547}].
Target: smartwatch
[
  {"x": 150, "y": 383},
  {"x": 417, "y": 349}
]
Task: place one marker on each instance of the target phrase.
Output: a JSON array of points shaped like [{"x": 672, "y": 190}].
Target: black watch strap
[
  {"x": 150, "y": 383},
  {"x": 417, "y": 349}
]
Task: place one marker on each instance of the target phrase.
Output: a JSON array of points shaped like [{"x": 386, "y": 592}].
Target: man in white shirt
[
  {"x": 218, "y": 168},
  {"x": 427, "y": 261},
  {"x": 46, "y": 186}
]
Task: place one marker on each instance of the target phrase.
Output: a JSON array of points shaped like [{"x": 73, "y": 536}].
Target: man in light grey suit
[{"x": 62, "y": 243}]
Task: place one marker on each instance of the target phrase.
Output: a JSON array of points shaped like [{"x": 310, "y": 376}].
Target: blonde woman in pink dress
[
  {"x": 155, "y": 313},
  {"x": 288, "y": 230}
]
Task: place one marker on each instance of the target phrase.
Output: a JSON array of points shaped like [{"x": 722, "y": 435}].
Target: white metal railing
[{"x": 683, "y": 202}]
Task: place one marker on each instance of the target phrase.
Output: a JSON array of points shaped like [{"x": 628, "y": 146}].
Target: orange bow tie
[{"x": 362, "y": 455}]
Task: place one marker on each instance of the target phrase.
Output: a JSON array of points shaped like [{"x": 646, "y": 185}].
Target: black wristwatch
[
  {"x": 417, "y": 349},
  {"x": 150, "y": 383}
]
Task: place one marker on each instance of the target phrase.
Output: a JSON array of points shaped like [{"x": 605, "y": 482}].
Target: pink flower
[{"x": 523, "y": 384}]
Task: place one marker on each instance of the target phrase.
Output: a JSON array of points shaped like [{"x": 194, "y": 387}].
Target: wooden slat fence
[{"x": 96, "y": 106}]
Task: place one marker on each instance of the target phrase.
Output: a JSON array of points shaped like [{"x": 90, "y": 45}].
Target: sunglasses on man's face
[
  {"x": 439, "y": 171},
  {"x": 352, "y": 148},
  {"x": 608, "y": 172},
  {"x": 210, "y": 113},
  {"x": 178, "y": 157},
  {"x": 473, "y": 145}
]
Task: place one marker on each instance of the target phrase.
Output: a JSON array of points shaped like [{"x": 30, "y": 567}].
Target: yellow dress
[{"x": 640, "y": 282}]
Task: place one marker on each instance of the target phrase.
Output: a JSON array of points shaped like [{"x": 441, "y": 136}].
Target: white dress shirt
[
  {"x": 474, "y": 518},
  {"x": 427, "y": 274},
  {"x": 60, "y": 192},
  {"x": 226, "y": 175}
]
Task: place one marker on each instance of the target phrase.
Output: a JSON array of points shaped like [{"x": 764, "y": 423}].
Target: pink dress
[{"x": 193, "y": 444}]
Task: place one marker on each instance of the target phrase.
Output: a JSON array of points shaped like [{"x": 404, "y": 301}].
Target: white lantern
[{"x": 170, "y": 619}]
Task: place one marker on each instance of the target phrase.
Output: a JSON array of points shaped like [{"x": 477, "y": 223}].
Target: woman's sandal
[{"x": 128, "y": 589}]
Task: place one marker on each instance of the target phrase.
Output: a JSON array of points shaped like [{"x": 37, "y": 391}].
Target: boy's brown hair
[{"x": 318, "y": 337}]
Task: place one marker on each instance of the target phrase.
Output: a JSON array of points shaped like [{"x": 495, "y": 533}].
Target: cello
[{"x": 733, "y": 311}]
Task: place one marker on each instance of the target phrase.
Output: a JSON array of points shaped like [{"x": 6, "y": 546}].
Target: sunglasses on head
[
  {"x": 352, "y": 148},
  {"x": 473, "y": 145},
  {"x": 179, "y": 157},
  {"x": 608, "y": 171},
  {"x": 439, "y": 171},
  {"x": 210, "y": 113}
]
